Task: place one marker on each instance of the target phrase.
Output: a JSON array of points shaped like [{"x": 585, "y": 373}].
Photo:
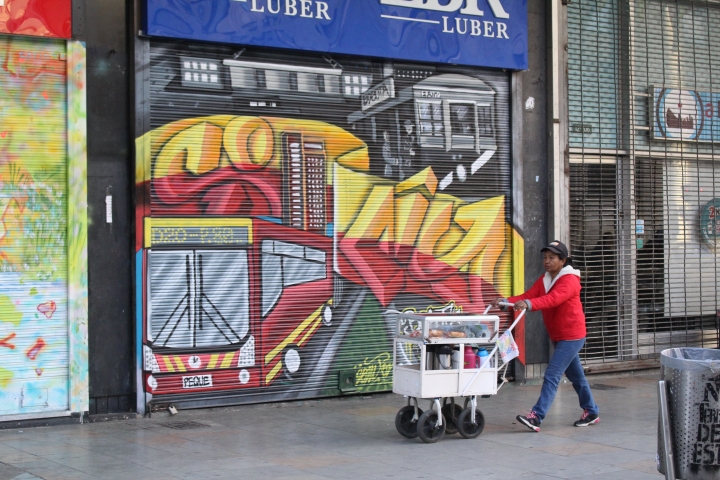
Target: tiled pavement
[{"x": 352, "y": 438}]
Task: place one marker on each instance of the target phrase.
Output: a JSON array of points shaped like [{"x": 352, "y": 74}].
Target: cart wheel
[
  {"x": 451, "y": 415},
  {"x": 404, "y": 422},
  {"x": 428, "y": 428},
  {"x": 468, "y": 429}
]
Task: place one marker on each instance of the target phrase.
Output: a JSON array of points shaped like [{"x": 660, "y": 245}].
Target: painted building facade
[
  {"x": 290, "y": 203},
  {"x": 43, "y": 222}
]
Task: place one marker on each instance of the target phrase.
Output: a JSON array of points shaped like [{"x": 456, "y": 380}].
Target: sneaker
[
  {"x": 530, "y": 420},
  {"x": 587, "y": 419}
]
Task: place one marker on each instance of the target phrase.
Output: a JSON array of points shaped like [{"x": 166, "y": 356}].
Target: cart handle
[
  {"x": 504, "y": 304},
  {"x": 519, "y": 317}
]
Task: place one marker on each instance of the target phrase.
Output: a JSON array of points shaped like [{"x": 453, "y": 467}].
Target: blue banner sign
[
  {"x": 489, "y": 33},
  {"x": 685, "y": 115}
]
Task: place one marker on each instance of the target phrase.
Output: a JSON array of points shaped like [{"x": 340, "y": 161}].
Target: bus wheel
[
  {"x": 327, "y": 315},
  {"x": 293, "y": 362}
]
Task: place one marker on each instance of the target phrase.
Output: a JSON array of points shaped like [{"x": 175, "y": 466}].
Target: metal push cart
[{"x": 428, "y": 358}]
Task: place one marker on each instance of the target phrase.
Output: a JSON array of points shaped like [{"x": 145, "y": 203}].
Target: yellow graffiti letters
[
  {"x": 195, "y": 150},
  {"x": 435, "y": 224},
  {"x": 476, "y": 219},
  {"x": 466, "y": 237},
  {"x": 374, "y": 370},
  {"x": 249, "y": 142},
  {"x": 376, "y": 216}
]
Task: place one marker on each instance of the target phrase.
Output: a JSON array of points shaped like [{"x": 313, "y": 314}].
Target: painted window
[
  {"x": 485, "y": 121},
  {"x": 431, "y": 119},
  {"x": 285, "y": 265},
  {"x": 462, "y": 119},
  {"x": 199, "y": 298}
]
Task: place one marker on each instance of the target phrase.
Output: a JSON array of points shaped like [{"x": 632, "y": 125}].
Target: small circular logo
[
  {"x": 194, "y": 361},
  {"x": 152, "y": 383},
  {"x": 244, "y": 376},
  {"x": 710, "y": 223}
]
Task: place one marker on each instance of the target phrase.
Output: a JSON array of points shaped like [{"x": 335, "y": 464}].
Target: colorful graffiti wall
[
  {"x": 282, "y": 226},
  {"x": 42, "y": 18},
  {"x": 36, "y": 347}
]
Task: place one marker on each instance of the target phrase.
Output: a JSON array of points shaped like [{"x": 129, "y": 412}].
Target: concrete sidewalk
[{"x": 352, "y": 438}]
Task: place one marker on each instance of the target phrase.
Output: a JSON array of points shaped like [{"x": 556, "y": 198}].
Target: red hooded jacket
[{"x": 559, "y": 300}]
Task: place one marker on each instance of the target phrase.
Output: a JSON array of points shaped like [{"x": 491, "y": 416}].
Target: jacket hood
[{"x": 567, "y": 270}]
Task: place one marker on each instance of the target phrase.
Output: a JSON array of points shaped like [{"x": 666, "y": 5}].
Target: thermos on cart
[{"x": 438, "y": 357}]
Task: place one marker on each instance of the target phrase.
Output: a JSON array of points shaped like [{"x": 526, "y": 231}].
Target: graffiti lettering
[
  {"x": 375, "y": 370},
  {"x": 433, "y": 237},
  {"x": 706, "y": 449},
  {"x": 197, "y": 381},
  {"x": 231, "y": 165}
]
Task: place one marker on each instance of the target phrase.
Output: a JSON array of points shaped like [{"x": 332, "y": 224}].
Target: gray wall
[
  {"x": 102, "y": 24},
  {"x": 532, "y": 159}
]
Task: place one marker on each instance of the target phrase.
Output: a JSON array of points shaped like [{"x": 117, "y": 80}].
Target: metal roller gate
[
  {"x": 43, "y": 225},
  {"x": 291, "y": 205},
  {"x": 643, "y": 98}
]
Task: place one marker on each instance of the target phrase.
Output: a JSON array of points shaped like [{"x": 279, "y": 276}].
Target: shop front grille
[{"x": 644, "y": 145}]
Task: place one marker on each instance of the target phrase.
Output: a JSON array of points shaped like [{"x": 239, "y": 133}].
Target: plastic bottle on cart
[
  {"x": 469, "y": 357},
  {"x": 482, "y": 357}
]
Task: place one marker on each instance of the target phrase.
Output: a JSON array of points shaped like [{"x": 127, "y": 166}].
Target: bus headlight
[
  {"x": 292, "y": 361},
  {"x": 327, "y": 315}
]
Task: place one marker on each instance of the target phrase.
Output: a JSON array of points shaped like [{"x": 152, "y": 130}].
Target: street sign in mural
[{"x": 685, "y": 115}]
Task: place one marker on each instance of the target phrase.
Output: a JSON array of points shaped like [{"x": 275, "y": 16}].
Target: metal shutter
[
  {"x": 33, "y": 224},
  {"x": 593, "y": 223},
  {"x": 294, "y": 203},
  {"x": 658, "y": 186},
  {"x": 594, "y": 84}
]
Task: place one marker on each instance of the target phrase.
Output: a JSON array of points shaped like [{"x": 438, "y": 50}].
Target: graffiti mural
[
  {"x": 34, "y": 278},
  {"x": 42, "y": 18},
  {"x": 277, "y": 244}
]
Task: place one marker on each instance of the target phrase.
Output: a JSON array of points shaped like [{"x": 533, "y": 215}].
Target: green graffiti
[
  {"x": 372, "y": 371},
  {"x": 6, "y": 377},
  {"x": 8, "y": 312},
  {"x": 367, "y": 349}
]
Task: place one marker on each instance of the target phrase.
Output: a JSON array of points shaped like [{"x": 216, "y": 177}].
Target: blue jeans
[{"x": 565, "y": 359}]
